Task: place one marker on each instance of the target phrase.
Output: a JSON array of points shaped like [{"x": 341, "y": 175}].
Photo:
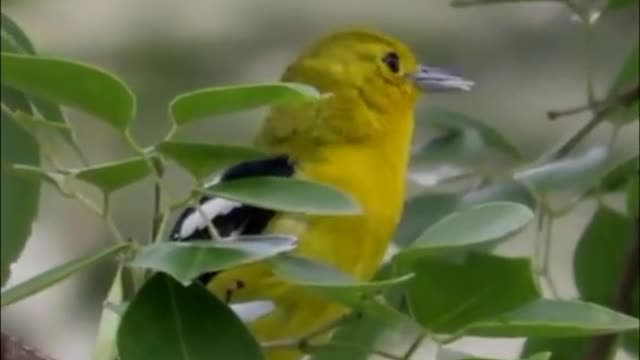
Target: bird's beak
[{"x": 431, "y": 79}]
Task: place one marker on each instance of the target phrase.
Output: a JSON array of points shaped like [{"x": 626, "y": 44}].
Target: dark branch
[
  {"x": 602, "y": 346},
  {"x": 624, "y": 99},
  {"x": 14, "y": 349}
]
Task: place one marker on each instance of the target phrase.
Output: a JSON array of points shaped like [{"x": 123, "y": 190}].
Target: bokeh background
[{"x": 525, "y": 58}]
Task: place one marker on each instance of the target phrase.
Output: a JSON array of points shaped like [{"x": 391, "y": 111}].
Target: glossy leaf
[
  {"x": 59, "y": 273},
  {"x": 19, "y": 196},
  {"x": 14, "y": 40},
  {"x": 448, "y": 354},
  {"x": 54, "y": 179},
  {"x": 600, "y": 255},
  {"x": 198, "y": 104},
  {"x": 508, "y": 191},
  {"x": 105, "y": 346},
  {"x": 70, "y": 83},
  {"x": 115, "y": 175},
  {"x": 555, "y": 318},
  {"x": 202, "y": 160},
  {"x": 287, "y": 194},
  {"x": 575, "y": 174},
  {"x": 329, "y": 280},
  {"x": 633, "y": 195},
  {"x": 185, "y": 261},
  {"x": 424, "y": 210},
  {"x": 36, "y": 125},
  {"x": 619, "y": 4},
  {"x": 356, "y": 339},
  {"x": 458, "y": 122},
  {"x": 617, "y": 177},
  {"x": 15, "y": 34},
  {"x": 446, "y": 296},
  {"x": 421, "y": 212},
  {"x": 564, "y": 348},
  {"x": 472, "y": 226},
  {"x": 627, "y": 77},
  {"x": 188, "y": 323},
  {"x": 464, "y": 147}
]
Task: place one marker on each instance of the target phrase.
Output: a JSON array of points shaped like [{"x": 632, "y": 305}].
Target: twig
[
  {"x": 601, "y": 346},
  {"x": 302, "y": 341},
  {"x": 380, "y": 353},
  {"x": 14, "y": 349},
  {"x": 625, "y": 98},
  {"x": 414, "y": 346}
]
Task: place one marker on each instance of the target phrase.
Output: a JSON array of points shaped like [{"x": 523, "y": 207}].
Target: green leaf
[
  {"x": 462, "y": 147},
  {"x": 565, "y": 348},
  {"x": 287, "y": 194},
  {"x": 424, "y": 210},
  {"x": 619, "y": 4},
  {"x": 202, "y": 160},
  {"x": 554, "y": 318},
  {"x": 627, "y": 77},
  {"x": 14, "y": 40},
  {"x": 105, "y": 345},
  {"x": 19, "y": 196},
  {"x": 421, "y": 212},
  {"x": 185, "y": 261},
  {"x": 357, "y": 338},
  {"x": 631, "y": 340},
  {"x": 576, "y": 174},
  {"x": 114, "y": 175},
  {"x": 466, "y": 127},
  {"x": 330, "y": 281},
  {"x": 59, "y": 273},
  {"x": 475, "y": 225},
  {"x": 446, "y": 296},
  {"x": 508, "y": 191},
  {"x": 448, "y": 354},
  {"x": 15, "y": 34},
  {"x": 37, "y": 126},
  {"x": 70, "y": 83},
  {"x": 600, "y": 255},
  {"x": 619, "y": 174},
  {"x": 188, "y": 323},
  {"x": 195, "y": 105},
  {"x": 632, "y": 196},
  {"x": 56, "y": 180}
]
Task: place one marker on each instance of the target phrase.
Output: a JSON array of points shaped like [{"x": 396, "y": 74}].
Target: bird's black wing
[{"x": 229, "y": 217}]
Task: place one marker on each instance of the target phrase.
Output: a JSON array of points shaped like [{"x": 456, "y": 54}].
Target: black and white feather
[{"x": 229, "y": 217}]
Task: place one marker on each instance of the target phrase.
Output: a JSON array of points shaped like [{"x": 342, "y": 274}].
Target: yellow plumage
[{"x": 357, "y": 139}]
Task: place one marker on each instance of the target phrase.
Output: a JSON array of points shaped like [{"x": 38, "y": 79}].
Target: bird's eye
[{"x": 392, "y": 61}]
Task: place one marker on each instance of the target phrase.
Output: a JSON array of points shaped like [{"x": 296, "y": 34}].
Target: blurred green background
[{"x": 525, "y": 58}]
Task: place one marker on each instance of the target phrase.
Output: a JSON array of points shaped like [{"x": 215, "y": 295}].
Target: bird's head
[
  {"x": 379, "y": 68},
  {"x": 372, "y": 81}
]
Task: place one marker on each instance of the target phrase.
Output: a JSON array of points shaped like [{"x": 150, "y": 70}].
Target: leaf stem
[
  {"x": 301, "y": 342},
  {"x": 213, "y": 233},
  {"x": 414, "y": 347}
]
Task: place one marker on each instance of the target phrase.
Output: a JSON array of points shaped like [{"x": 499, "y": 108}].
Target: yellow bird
[{"x": 357, "y": 139}]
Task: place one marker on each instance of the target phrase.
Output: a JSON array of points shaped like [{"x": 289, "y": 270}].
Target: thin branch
[
  {"x": 414, "y": 347},
  {"x": 602, "y": 346},
  {"x": 623, "y": 99},
  {"x": 302, "y": 341},
  {"x": 14, "y": 349},
  {"x": 380, "y": 353}
]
